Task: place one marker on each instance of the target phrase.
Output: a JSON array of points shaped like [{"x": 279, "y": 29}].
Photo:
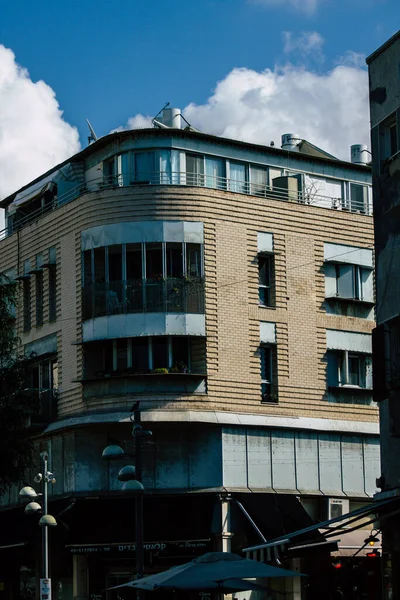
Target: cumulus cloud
[
  {"x": 305, "y": 44},
  {"x": 308, "y": 7},
  {"x": 328, "y": 109},
  {"x": 33, "y": 134}
]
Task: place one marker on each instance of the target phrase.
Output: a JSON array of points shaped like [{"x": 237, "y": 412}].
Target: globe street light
[
  {"x": 28, "y": 493},
  {"x": 132, "y": 478}
]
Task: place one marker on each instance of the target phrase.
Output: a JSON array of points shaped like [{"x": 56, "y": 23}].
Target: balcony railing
[
  {"x": 305, "y": 197},
  {"x": 173, "y": 295}
]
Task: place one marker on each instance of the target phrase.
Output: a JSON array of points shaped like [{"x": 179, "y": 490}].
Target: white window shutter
[
  {"x": 367, "y": 281},
  {"x": 368, "y": 372},
  {"x": 346, "y": 281},
  {"x": 330, "y": 280}
]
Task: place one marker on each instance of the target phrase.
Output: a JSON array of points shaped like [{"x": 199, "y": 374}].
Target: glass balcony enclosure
[{"x": 143, "y": 277}]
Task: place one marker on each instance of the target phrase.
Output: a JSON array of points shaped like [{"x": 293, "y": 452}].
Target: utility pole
[{"x": 138, "y": 434}]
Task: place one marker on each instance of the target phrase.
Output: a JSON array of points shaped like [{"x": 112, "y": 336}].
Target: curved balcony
[{"x": 172, "y": 295}]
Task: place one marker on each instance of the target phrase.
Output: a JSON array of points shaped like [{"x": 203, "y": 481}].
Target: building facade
[
  {"x": 385, "y": 135},
  {"x": 226, "y": 286}
]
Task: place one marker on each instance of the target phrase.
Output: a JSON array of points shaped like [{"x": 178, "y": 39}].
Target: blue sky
[{"x": 111, "y": 60}]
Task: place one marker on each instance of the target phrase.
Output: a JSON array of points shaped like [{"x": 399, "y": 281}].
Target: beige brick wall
[{"x": 231, "y": 222}]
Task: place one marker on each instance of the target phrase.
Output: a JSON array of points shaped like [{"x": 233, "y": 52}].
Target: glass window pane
[
  {"x": 154, "y": 263},
  {"x": 144, "y": 166},
  {"x": 237, "y": 182},
  {"x": 122, "y": 355},
  {"x": 357, "y": 197},
  {"x": 99, "y": 265},
  {"x": 264, "y": 280},
  {"x": 258, "y": 180},
  {"x": 180, "y": 353},
  {"x": 345, "y": 281},
  {"x": 193, "y": 260},
  {"x": 266, "y": 374},
  {"x": 194, "y": 169},
  {"x": 174, "y": 259},
  {"x": 160, "y": 353},
  {"x": 354, "y": 370},
  {"x": 115, "y": 263},
  {"x": 215, "y": 173},
  {"x": 140, "y": 355},
  {"x": 134, "y": 261},
  {"x": 87, "y": 268}
]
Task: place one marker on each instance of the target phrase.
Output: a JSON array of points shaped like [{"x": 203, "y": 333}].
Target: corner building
[{"x": 227, "y": 287}]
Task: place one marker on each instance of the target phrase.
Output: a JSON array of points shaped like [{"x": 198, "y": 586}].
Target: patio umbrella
[{"x": 212, "y": 570}]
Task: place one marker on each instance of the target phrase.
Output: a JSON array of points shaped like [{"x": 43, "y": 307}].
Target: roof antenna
[
  {"x": 158, "y": 123},
  {"x": 92, "y": 137}
]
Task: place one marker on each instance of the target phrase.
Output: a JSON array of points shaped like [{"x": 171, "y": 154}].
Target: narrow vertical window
[
  {"x": 26, "y": 291},
  {"x": 265, "y": 279},
  {"x": 52, "y": 293},
  {"x": 268, "y": 385},
  {"x": 194, "y": 169},
  {"x": 39, "y": 298}
]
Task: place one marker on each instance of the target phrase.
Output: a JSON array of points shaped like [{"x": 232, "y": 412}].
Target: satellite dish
[{"x": 92, "y": 137}]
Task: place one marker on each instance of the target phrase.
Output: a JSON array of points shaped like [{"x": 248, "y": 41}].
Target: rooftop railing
[
  {"x": 173, "y": 295},
  {"x": 304, "y": 196}
]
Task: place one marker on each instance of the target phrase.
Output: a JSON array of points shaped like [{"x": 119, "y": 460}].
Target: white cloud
[
  {"x": 33, "y": 134},
  {"x": 308, "y": 7},
  {"x": 329, "y": 109},
  {"x": 306, "y": 43}
]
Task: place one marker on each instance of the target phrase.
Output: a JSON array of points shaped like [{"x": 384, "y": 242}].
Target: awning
[
  {"x": 333, "y": 528},
  {"x": 32, "y": 192}
]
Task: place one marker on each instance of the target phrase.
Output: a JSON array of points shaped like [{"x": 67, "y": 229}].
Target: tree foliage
[{"x": 17, "y": 402}]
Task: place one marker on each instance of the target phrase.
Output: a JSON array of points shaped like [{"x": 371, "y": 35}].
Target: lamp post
[
  {"x": 28, "y": 493},
  {"x": 132, "y": 478}
]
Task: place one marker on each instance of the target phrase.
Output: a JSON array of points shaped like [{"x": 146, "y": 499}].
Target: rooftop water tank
[
  {"x": 360, "y": 154},
  {"x": 171, "y": 117},
  {"x": 290, "y": 141}
]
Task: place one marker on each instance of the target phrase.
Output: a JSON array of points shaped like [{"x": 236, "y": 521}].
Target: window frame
[
  {"x": 268, "y": 259},
  {"x": 268, "y": 360},
  {"x": 343, "y": 376}
]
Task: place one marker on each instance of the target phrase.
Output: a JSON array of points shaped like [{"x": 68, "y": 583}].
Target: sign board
[
  {"x": 45, "y": 589},
  {"x": 184, "y": 548}
]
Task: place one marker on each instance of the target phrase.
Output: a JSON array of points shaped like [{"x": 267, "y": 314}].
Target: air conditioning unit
[
  {"x": 286, "y": 188},
  {"x": 336, "y": 507}
]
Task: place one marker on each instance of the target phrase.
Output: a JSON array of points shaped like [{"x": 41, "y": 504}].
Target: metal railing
[
  {"x": 306, "y": 197},
  {"x": 174, "y": 295}
]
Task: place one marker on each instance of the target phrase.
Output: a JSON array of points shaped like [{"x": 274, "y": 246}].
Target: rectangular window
[
  {"x": 268, "y": 368},
  {"x": 174, "y": 258},
  {"x": 349, "y": 369},
  {"x": 193, "y": 260},
  {"x": 237, "y": 179},
  {"x": 353, "y": 282},
  {"x": 26, "y": 292},
  {"x": 115, "y": 263},
  {"x": 44, "y": 381},
  {"x": 265, "y": 279},
  {"x": 120, "y": 355},
  {"x": 388, "y": 137},
  {"x": 134, "y": 261},
  {"x": 194, "y": 169},
  {"x": 140, "y": 355},
  {"x": 39, "y": 298},
  {"x": 145, "y": 166},
  {"x": 52, "y": 293},
  {"x": 258, "y": 180},
  {"x": 215, "y": 173},
  {"x": 154, "y": 261},
  {"x": 160, "y": 352},
  {"x": 358, "y": 197},
  {"x": 99, "y": 265},
  {"x": 180, "y": 354}
]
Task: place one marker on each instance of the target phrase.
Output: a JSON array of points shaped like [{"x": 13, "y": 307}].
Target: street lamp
[
  {"x": 28, "y": 493},
  {"x": 132, "y": 478}
]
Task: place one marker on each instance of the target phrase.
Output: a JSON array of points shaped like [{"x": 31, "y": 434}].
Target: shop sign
[
  {"x": 167, "y": 549},
  {"x": 45, "y": 589}
]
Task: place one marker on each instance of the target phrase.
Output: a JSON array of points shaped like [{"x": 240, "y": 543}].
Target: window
[
  {"x": 349, "y": 282},
  {"x": 349, "y": 369},
  {"x": 194, "y": 169},
  {"x": 141, "y": 356},
  {"x": 52, "y": 293},
  {"x": 268, "y": 368},
  {"x": 265, "y": 279},
  {"x": 215, "y": 173},
  {"x": 389, "y": 137},
  {"x": 174, "y": 259},
  {"x": 26, "y": 292},
  {"x": 144, "y": 166},
  {"x": 258, "y": 180},
  {"x": 39, "y": 298},
  {"x": 237, "y": 179},
  {"x": 44, "y": 382}
]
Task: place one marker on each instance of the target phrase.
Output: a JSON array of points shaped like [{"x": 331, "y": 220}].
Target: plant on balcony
[
  {"x": 179, "y": 367},
  {"x": 160, "y": 371}
]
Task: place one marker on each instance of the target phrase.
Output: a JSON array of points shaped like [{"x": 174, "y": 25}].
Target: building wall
[{"x": 231, "y": 222}]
